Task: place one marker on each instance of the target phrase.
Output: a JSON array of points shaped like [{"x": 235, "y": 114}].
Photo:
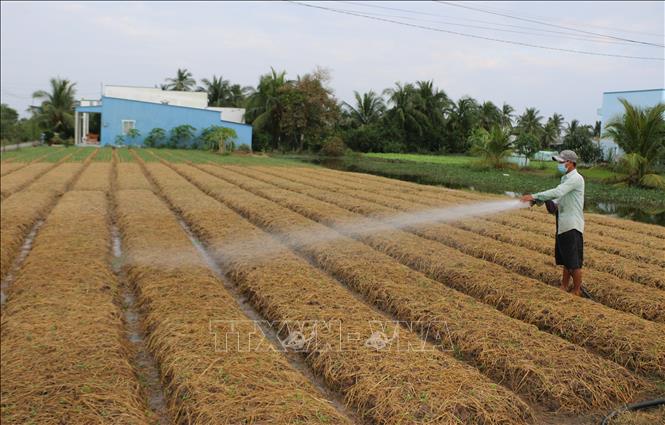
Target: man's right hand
[{"x": 527, "y": 198}]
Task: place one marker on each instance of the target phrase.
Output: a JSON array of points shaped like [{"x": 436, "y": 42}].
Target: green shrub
[
  {"x": 155, "y": 138},
  {"x": 333, "y": 146}
]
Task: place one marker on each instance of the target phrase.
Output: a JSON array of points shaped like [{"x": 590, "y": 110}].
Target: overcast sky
[{"x": 143, "y": 43}]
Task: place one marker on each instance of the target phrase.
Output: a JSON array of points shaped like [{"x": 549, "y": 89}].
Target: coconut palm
[
  {"x": 56, "y": 112},
  {"x": 368, "y": 109},
  {"x": 529, "y": 122},
  {"x": 221, "y": 93},
  {"x": 462, "y": 118},
  {"x": 493, "y": 146},
  {"x": 405, "y": 112},
  {"x": 432, "y": 101},
  {"x": 264, "y": 106},
  {"x": 507, "y": 115},
  {"x": 640, "y": 132},
  {"x": 489, "y": 115},
  {"x": 183, "y": 81},
  {"x": 551, "y": 134}
]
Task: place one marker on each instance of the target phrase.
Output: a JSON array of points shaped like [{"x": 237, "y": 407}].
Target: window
[{"x": 128, "y": 125}]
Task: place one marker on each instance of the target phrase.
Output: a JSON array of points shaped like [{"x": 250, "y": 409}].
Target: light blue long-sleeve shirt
[{"x": 569, "y": 196}]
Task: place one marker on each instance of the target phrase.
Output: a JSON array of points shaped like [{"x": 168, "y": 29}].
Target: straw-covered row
[
  {"x": 16, "y": 181},
  {"x": 96, "y": 177},
  {"x": 391, "y": 385},
  {"x": 610, "y": 290},
  {"x": 647, "y": 274},
  {"x": 130, "y": 176},
  {"x": 10, "y": 167},
  {"x": 64, "y": 357},
  {"x": 622, "y": 337},
  {"x": 530, "y": 362},
  {"x": 22, "y": 210},
  {"x": 534, "y": 220},
  {"x": 190, "y": 315}
]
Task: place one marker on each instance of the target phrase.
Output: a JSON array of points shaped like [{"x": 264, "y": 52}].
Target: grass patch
[
  {"x": 462, "y": 176},
  {"x": 125, "y": 155},
  {"x": 26, "y": 154},
  {"x": 80, "y": 154},
  {"x": 103, "y": 155},
  {"x": 202, "y": 157}
]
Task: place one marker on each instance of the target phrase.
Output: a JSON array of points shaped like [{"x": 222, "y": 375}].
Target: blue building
[
  {"x": 612, "y": 108},
  {"x": 122, "y": 108}
]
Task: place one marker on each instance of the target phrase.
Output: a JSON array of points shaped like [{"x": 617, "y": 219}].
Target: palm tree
[
  {"x": 264, "y": 108},
  {"x": 552, "y": 130},
  {"x": 432, "y": 101},
  {"x": 183, "y": 81},
  {"x": 217, "y": 90},
  {"x": 493, "y": 146},
  {"x": 462, "y": 117},
  {"x": 640, "y": 132},
  {"x": 221, "y": 93},
  {"x": 56, "y": 111},
  {"x": 529, "y": 122},
  {"x": 507, "y": 115},
  {"x": 369, "y": 108},
  {"x": 405, "y": 111},
  {"x": 489, "y": 115}
]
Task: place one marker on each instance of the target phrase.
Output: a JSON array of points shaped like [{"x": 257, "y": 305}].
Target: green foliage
[
  {"x": 181, "y": 136},
  {"x": 119, "y": 140},
  {"x": 222, "y": 93},
  {"x": 334, "y": 146},
  {"x": 640, "y": 131},
  {"x": 8, "y": 122},
  {"x": 132, "y": 135},
  {"x": 493, "y": 146},
  {"x": 155, "y": 138},
  {"x": 221, "y": 139},
  {"x": 183, "y": 81},
  {"x": 528, "y": 143},
  {"x": 56, "y": 111},
  {"x": 579, "y": 138},
  {"x": 637, "y": 171}
]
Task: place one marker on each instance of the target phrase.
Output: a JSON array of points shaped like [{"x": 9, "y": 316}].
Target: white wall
[
  {"x": 154, "y": 95},
  {"x": 231, "y": 114}
]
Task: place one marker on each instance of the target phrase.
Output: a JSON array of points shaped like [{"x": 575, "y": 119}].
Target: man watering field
[{"x": 568, "y": 206}]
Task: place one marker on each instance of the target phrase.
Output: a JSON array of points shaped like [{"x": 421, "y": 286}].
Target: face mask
[{"x": 562, "y": 168}]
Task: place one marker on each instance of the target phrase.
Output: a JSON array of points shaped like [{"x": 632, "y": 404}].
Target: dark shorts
[{"x": 569, "y": 249}]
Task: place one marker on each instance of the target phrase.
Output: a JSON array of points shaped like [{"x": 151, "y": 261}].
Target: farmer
[{"x": 569, "y": 202}]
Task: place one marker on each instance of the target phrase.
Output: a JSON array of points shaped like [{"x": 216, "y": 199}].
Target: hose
[{"x": 631, "y": 407}]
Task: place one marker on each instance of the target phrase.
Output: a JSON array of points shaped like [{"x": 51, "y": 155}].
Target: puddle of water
[
  {"x": 143, "y": 361},
  {"x": 25, "y": 250}
]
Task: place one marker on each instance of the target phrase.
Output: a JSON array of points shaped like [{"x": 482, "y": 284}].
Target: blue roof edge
[{"x": 632, "y": 91}]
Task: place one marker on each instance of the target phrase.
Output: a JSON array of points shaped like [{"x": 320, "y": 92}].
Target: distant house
[
  {"x": 612, "y": 108},
  {"x": 122, "y": 108}
]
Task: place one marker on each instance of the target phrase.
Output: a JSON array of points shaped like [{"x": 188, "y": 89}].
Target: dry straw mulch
[
  {"x": 10, "y": 167},
  {"x": 64, "y": 359},
  {"x": 96, "y": 177},
  {"x": 624, "y": 338},
  {"x": 16, "y": 181},
  {"x": 22, "y": 210},
  {"x": 532, "y": 363},
  {"x": 184, "y": 303},
  {"x": 386, "y": 386}
]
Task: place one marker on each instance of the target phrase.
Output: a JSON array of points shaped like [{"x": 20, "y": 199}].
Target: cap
[{"x": 566, "y": 156}]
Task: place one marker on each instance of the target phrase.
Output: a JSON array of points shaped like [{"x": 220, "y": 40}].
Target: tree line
[{"x": 303, "y": 115}]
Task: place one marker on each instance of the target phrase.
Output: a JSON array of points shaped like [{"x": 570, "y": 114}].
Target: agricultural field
[{"x": 156, "y": 286}]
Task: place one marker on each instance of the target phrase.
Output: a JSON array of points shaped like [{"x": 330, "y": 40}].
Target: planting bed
[{"x": 291, "y": 295}]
